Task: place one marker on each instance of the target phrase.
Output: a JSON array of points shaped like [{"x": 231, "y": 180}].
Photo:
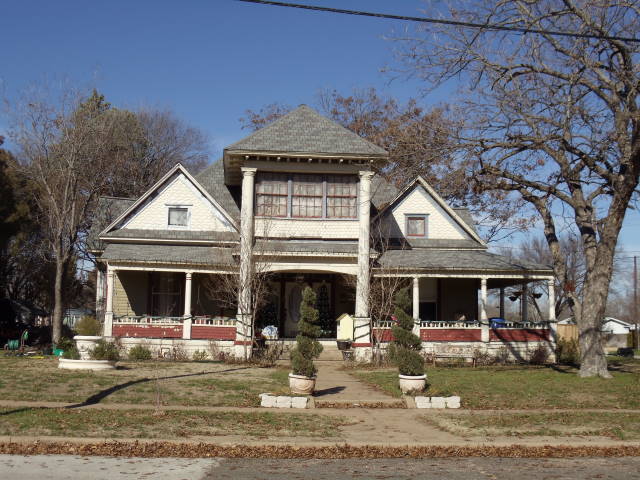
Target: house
[
  {"x": 615, "y": 331},
  {"x": 299, "y": 198}
]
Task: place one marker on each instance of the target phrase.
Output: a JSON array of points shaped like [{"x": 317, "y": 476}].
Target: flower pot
[
  {"x": 343, "y": 344},
  {"x": 301, "y": 385},
  {"x": 412, "y": 384},
  {"x": 86, "y": 364},
  {"x": 84, "y": 344}
]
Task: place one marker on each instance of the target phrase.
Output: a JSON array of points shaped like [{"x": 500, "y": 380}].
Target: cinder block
[
  {"x": 299, "y": 402},
  {"x": 438, "y": 402},
  {"x": 452, "y": 402},
  {"x": 422, "y": 402},
  {"x": 268, "y": 401},
  {"x": 283, "y": 402}
]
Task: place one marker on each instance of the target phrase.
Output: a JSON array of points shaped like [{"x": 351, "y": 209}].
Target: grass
[
  {"x": 101, "y": 423},
  {"x": 618, "y": 425},
  {"x": 178, "y": 383},
  {"x": 520, "y": 387}
]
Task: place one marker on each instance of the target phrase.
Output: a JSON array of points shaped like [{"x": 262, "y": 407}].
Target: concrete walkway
[{"x": 334, "y": 385}]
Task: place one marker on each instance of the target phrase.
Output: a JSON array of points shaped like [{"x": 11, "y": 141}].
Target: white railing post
[
  {"x": 108, "y": 314},
  {"x": 483, "y": 300},
  {"x": 552, "y": 300},
  {"x": 416, "y": 306},
  {"x": 186, "y": 324}
]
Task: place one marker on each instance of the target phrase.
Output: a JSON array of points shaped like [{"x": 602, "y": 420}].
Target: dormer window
[
  {"x": 178, "y": 217},
  {"x": 416, "y": 225}
]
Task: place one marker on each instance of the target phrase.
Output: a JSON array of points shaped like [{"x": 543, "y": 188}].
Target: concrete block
[
  {"x": 423, "y": 402},
  {"x": 298, "y": 402},
  {"x": 268, "y": 401},
  {"x": 283, "y": 402},
  {"x": 452, "y": 402},
  {"x": 438, "y": 402}
]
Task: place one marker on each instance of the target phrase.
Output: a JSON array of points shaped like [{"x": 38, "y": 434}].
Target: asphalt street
[{"x": 61, "y": 467}]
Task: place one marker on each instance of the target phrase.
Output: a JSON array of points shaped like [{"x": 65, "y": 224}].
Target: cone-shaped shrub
[
  {"x": 405, "y": 348},
  {"x": 307, "y": 346}
]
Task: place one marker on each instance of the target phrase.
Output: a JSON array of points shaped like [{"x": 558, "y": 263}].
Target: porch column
[
  {"x": 552, "y": 299},
  {"x": 186, "y": 323},
  {"x": 483, "y": 300},
  {"x": 362, "y": 322},
  {"x": 243, "y": 321},
  {"x": 416, "y": 306},
  {"x": 99, "y": 291},
  {"x": 525, "y": 302},
  {"x": 108, "y": 309},
  {"x": 501, "y": 302}
]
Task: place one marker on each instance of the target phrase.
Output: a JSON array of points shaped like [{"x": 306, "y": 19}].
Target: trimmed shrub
[
  {"x": 200, "y": 356},
  {"x": 139, "y": 353},
  {"x": 539, "y": 356},
  {"x": 89, "y": 326},
  {"x": 69, "y": 349},
  {"x": 568, "y": 351},
  {"x": 105, "y": 351},
  {"x": 405, "y": 349},
  {"x": 307, "y": 346}
]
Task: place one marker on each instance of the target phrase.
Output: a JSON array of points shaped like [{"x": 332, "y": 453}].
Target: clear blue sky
[{"x": 209, "y": 60}]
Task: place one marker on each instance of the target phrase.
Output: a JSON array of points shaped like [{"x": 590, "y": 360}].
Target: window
[
  {"x": 342, "y": 193},
  {"x": 416, "y": 225},
  {"x": 306, "y": 196},
  {"x": 178, "y": 217},
  {"x": 272, "y": 195},
  {"x": 166, "y": 294},
  {"x": 306, "y": 200}
]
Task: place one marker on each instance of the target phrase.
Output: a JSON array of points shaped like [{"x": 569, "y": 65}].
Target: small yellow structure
[{"x": 345, "y": 327}]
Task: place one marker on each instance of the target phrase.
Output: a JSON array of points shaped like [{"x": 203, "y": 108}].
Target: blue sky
[{"x": 210, "y": 60}]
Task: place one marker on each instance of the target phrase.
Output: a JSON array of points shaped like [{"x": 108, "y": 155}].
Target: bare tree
[{"x": 552, "y": 119}]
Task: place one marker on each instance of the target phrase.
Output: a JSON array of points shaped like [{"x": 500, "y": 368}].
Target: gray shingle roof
[
  {"x": 465, "y": 215},
  {"x": 382, "y": 191},
  {"x": 203, "y": 236},
  {"x": 304, "y": 130},
  {"x": 443, "y": 243},
  {"x": 434, "y": 259},
  {"x": 182, "y": 254},
  {"x": 212, "y": 180},
  {"x": 107, "y": 210},
  {"x": 292, "y": 246}
]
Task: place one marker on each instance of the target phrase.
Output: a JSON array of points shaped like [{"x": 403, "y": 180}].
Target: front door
[{"x": 292, "y": 298}]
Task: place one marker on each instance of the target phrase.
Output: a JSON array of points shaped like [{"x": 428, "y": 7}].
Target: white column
[
  {"x": 501, "y": 302},
  {"x": 552, "y": 299},
  {"x": 364, "y": 207},
  {"x": 416, "y": 306},
  {"x": 243, "y": 323},
  {"x": 186, "y": 323},
  {"x": 483, "y": 300},
  {"x": 108, "y": 309},
  {"x": 525, "y": 302}
]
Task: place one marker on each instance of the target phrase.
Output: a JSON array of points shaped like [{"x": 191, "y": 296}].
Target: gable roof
[
  {"x": 305, "y": 131},
  {"x": 107, "y": 210},
  {"x": 178, "y": 168},
  {"x": 464, "y": 223},
  {"x": 212, "y": 180}
]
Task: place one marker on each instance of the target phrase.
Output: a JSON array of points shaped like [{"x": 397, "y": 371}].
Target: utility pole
[{"x": 635, "y": 300}]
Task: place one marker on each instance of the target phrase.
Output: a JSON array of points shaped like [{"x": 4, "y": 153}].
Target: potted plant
[
  {"x": 102, "y": 357},
  {"x": 302, "y": 379},
  {"x": 89, "y": 332},
  {"x": 405, "y": 347}
]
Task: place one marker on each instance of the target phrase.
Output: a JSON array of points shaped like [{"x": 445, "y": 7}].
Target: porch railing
[
  {"x": 214, "y": 321},
  {"x": 479, "y": 324},
  {"x": 162, "y": 320}
]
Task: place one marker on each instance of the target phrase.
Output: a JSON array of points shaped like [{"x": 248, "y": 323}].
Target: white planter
[
  {"x": 412, "y": 384},
  {"x": 301, "y": 385},
  {"x": 84, "y": 344},
  {"x": 86, "y": 364}
]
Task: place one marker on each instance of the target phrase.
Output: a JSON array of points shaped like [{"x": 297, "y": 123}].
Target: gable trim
[{"x": 178, "y": 168}]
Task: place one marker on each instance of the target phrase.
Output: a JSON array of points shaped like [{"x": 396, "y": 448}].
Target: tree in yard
[
  {"x": 405, "y": 347},
  {"x": 551, "y": 120},
  {"x": 307, "y": 346}
]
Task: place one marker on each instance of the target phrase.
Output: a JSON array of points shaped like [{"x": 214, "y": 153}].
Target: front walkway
[{"x": 336, "y": 386}]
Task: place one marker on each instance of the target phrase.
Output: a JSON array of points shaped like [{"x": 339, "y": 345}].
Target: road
[{"x": 60, "y": 467}]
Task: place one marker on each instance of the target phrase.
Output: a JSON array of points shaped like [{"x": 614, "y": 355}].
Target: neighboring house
[
  {"x": 615, "y": 331},
  {"x": 73, "y": 316},
  {"x": 300, "y": 196}
]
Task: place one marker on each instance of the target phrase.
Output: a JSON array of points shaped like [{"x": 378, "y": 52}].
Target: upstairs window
[
  {"x": 416, "y": 225},
  {"x": 272, "y": 193},
  {"x": 307, "y": 194},
  {"x": 342, "y": 194},
  {"x": 178, "y": 217}
]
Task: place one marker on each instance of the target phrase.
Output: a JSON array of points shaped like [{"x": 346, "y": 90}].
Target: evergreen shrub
[
  {"x": 307, "y": 346},
  {"x": 405, "y": 348}
]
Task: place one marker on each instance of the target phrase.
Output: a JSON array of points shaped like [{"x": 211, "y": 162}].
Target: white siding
[
  {"x": 439, "y": 223},
  {"x": 178, "y": 191},
  {"x": 299, "y": 228}
]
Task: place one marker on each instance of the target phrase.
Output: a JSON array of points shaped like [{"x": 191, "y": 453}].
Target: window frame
[
  {"x": 182, "y": 207},
  {"x": 287, "y": 180},
  {"x": 323, "y": 179},
  {"x": 424, "y": 217}
]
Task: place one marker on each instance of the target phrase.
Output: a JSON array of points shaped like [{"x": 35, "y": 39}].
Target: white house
[{"x": 301, "y": 199}]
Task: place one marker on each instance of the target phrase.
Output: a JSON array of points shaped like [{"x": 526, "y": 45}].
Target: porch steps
[{"x": 330, "y": 352}]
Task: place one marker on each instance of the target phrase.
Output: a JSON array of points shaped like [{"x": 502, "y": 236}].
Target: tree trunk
[
  {"x": 593, "y": 362},
  {"x": 56, "y": 319}
]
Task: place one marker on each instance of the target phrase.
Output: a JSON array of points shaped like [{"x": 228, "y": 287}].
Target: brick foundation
[
  {"x": 518, "y": 335},
  {"x": 147, "y": 331},
  {"x": 213, "y": 333},
  {"x": 451, "y": 334}
]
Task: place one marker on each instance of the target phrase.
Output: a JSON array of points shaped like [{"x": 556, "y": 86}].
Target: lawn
[
  {"x": 515, "y": 387},
  {"x": 130, "y": 423},
  {"x": 618, "y": 425},
  {"x": 167, "y": 383}
]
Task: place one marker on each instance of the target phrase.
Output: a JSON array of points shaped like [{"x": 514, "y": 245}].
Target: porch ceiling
[{"x": 182, "y": 254}]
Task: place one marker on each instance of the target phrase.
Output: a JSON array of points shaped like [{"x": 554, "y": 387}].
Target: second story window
[
  {"x": 306, "y": 196},
  {"x": 416, "y": 225},
  {"x": 178, "y": 217}
]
